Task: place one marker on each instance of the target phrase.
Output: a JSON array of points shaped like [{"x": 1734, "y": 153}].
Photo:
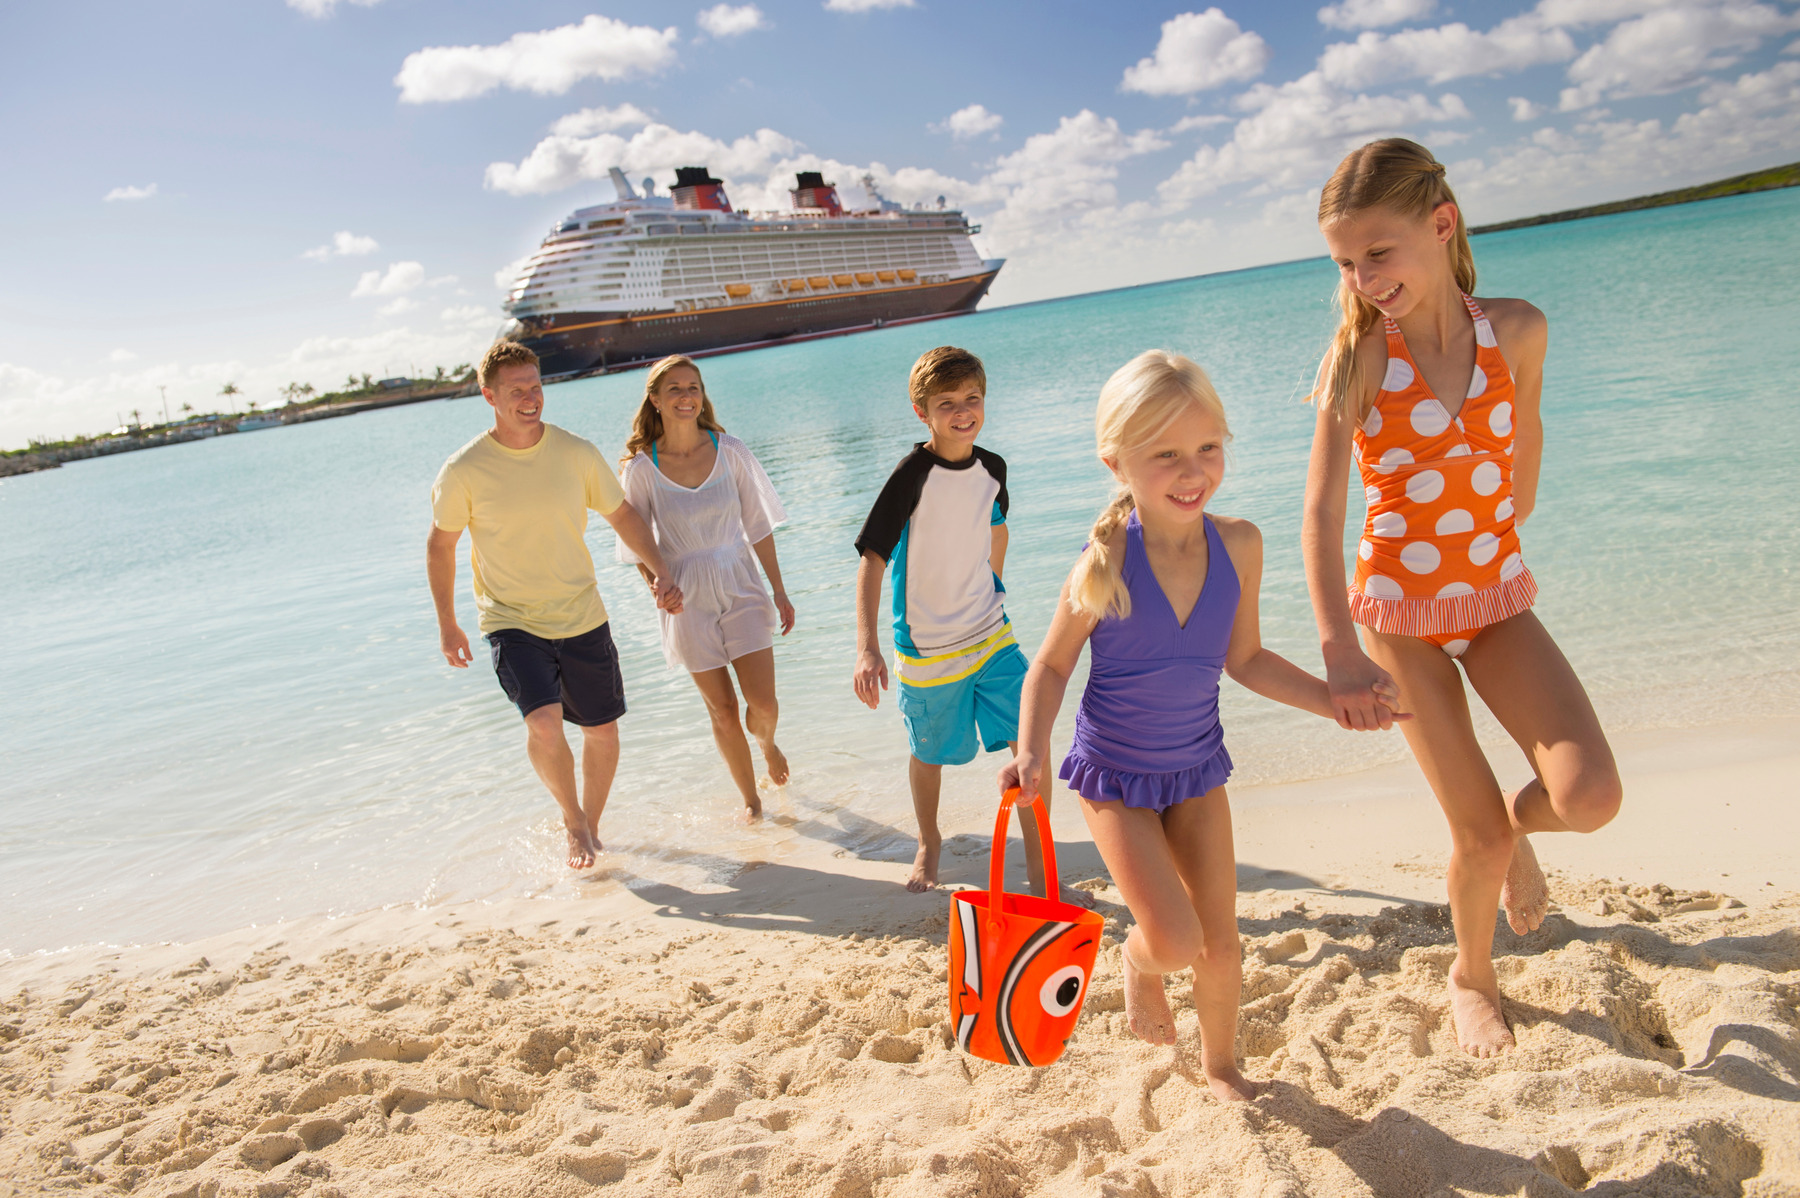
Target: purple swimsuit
[{"x": 1148, "y": 729}]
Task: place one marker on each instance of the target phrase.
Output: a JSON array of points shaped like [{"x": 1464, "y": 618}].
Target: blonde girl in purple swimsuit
[{"x": 1165, "y": 596}]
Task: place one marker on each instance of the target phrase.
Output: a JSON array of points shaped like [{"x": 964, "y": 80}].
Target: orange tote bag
[{"x": 1019, "y": 964}]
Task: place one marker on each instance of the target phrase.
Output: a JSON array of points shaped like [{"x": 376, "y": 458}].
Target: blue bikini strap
[{"x": 653, "y": 461}]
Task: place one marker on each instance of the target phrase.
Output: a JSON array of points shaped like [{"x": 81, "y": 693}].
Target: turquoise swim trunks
[{"x": 949, "y": 718}]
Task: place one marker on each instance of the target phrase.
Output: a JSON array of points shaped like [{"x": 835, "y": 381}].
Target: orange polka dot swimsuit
[{"x": 1439, "y": 557}]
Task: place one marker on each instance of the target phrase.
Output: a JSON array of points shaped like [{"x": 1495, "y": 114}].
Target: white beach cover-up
[{"x": 704, "y": 534}]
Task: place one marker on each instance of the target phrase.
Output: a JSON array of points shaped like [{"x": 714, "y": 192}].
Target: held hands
[
  {"x": 1026, "y": 771},
  {"x": 454, "y": 644},
  {"x": 871, "y": 677},
  {"x": 1364, "y": 697},
  {"x": 785, "y": 610},
  {"x": 668, "y": 595}
]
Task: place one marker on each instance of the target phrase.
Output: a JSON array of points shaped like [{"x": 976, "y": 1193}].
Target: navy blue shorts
[{"x": 580, "y": 672}]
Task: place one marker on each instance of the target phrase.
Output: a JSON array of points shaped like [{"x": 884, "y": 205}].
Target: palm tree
[{"x": 229, "y": 390}]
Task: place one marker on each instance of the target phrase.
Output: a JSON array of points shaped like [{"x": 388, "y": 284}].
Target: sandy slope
[{"x": 1659, "y": 1055}]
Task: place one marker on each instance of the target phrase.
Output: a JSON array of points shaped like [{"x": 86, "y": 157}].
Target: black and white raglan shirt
[{"x": 933, "y": 525}]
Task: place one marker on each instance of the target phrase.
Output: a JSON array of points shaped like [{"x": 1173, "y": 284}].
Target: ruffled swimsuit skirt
[{"x": 1147, "y": 733}]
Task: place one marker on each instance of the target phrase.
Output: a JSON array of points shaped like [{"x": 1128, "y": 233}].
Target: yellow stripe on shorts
[{"x": 944, "y": 668}]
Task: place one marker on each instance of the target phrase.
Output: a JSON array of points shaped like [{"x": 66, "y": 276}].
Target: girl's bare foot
[
  {"x": 777, "y": 762},
  {"x": 925, "y": 868},
  {"x": 1481, "y": 1029},
  {"x": 1146, "y": 1004},
  {"x": 1525, "y": 894},
  {"x": 1228, "y": 1085},
  {"x": 581, "y": 853}
]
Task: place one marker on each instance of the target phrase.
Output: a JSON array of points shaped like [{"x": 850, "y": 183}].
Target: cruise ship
[{"x": 624, "y": 283}]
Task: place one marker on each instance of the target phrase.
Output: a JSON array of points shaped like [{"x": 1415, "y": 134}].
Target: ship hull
[{"x": 576, "y": 343}]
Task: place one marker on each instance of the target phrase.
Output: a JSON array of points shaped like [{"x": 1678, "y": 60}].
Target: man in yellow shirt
[{"x": 523, "y": 490}]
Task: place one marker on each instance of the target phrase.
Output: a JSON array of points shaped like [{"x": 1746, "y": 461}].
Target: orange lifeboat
[
  {"x": 864, "y": 278},
  {"x": 795, "y": 284},
  {"x": 843, "y": 280},
  {"x": 820, "y": 283},
  {"x": 737, "y": 290},
  {"x": 907, "y": 276},
  {"x": 886, "y": 276}
]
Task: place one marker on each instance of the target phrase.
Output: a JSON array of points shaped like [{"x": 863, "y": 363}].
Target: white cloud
[
  {"x": 727, "y": 20},
  {"x": 469, "y": 314},
  {"x": 121, "y": 355},
  {"x": 1057, "y": 177},
  {"x": 323, "y": 8},
  {"x": 1373, "y": 14},
  {"x": 548, "y": 62},
  {"x": 867, "y": 5},
  {"x": 590, "y": 121},
  {"x": 131, "y": 193},
  {"x": 1197, "y": 51},
  {"x": 1524, "y": 109},
  {"x": 1297, "y": 131},
  {"x": 1199, "y": 121},
  {"x": 1670, "y": 49},
  {"x": 1755, "y": 115},
  {"x": 397, "y": 306},
  {"x": 968, "y": 122},
  {"x": 1444, "y": 53},
  {"x": 559, "y": 161},
  {"x": 400, "y": 277},
  {"x": 344, "y": 244}
]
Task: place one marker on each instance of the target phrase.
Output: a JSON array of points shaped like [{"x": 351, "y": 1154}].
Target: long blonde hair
[
  {"x": 1140, "y": 400},
  {"x": 647, "y": 425},
  {"x": 1402, "y": 176}
]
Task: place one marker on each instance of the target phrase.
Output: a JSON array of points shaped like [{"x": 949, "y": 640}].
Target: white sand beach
[{"x": 787, "y": 1033}]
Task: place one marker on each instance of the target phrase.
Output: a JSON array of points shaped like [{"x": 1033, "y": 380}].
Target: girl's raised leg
[
  {"x": 1481, "y": 834},
  {"x": 756, "y": 677},
  {"x": 1199, "y": 833},
  {"x": 1168, "y": 934},
  {"x": 728, "y": 734}
]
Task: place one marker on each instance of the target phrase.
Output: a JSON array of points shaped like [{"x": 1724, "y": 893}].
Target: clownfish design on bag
[
  {"x": 1019, "y": 964},
  {"x": 1040, "y": 992}
]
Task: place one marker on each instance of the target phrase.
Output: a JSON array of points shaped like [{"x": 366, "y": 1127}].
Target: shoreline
[{"x": 786, "y": 1032}]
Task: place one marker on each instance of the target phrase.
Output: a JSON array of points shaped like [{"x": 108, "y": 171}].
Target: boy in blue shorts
[{"x": 940, "y": 522}]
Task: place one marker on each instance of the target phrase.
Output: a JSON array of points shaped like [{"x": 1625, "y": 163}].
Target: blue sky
[{"x": 275, "y": 191}]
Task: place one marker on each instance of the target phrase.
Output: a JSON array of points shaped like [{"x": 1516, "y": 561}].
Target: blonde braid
[{"x": 1097, "y": 584}]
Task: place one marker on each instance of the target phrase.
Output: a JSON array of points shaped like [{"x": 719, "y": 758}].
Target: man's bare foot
[
  {"x": 1481, "y": 1029},
  {"x": 1146, "y": 1004},
  {"x": 1228, "y": 1085},
  {"x": 1525, "y": 894},
  {"x": 777, "y": 762},
  {"x": 581, "y": 852},
  {"x": 925, "y": 868}
]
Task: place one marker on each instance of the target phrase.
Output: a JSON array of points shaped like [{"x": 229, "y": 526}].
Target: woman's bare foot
[
  {"x": 1146, "y": 1004},
  {"x": 1481, "y": 1029},
  {"x": 777, "y": 762},
  {"x": 752, "y": 810},
  {"x": 925, "y": 867},
  {"x": 1228, "y": 1085},
  {"x": 1525, "y": 894},
  {"x": 581, "y": 852}
]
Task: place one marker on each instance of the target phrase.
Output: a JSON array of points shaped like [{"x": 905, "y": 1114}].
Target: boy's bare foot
[
  {"x": 1525, "y": 894},
  {"x": 1146, "y": 1004},
  {"x": 777, "y": 762},
  {"x": 1481, "y": 1029},
  {"x": 925, "y": 868},
  {"x": 1228, "y": 1085},
  {"x": 581, "y": 852}
]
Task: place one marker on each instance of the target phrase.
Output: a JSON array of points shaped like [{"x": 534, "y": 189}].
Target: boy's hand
[
  {"x": 871, "y": 677},
  {"x": 1026, "y": 772}
]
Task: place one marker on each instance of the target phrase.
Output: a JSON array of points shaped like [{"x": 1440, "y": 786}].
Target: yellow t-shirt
[{"x": 526, "y": 512}]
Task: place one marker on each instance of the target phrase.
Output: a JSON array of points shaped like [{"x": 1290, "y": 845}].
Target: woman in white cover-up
[{"x": 714, "y": 513}]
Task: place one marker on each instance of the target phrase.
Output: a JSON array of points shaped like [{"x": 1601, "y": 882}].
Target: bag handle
[{"x": 997, "y": 857}]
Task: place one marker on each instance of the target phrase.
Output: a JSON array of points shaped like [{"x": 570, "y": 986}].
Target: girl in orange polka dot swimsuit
[{"x": 1434, "y": 395}]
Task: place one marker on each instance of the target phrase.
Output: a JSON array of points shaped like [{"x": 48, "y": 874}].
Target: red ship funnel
[
  {"x": 814, "y": 192},
  {"x": 696, "y": 188}
]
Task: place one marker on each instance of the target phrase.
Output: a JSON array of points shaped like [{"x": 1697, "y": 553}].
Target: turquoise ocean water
[{"x": 222, "y": 701}]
